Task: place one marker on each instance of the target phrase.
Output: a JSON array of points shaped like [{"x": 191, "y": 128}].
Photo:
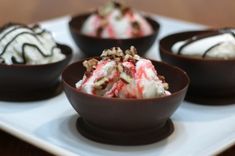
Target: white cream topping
[
  {"x": 24, "y": 45},
  {"x": 218, "y": 46}
]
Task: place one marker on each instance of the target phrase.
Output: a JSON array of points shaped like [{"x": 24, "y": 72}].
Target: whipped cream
[
  {"x": 217, "y": 44},
  {"x": 115, "y": 20},
  {"x": 21, "y": 44},
  {"x": 122, "y": 76}
]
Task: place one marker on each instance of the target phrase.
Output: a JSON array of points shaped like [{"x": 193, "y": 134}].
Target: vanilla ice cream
[
  {"x": 21, "y": 44},
  {"x": 122, "y": 75},
  {"x": 114, "y": 20},
  {"x": 216, "y": 44}
]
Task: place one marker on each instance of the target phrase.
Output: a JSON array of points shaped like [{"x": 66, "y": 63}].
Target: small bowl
[
  {"x": 125, "y": 121},
  {"x": 32, "y": 82},
  {"x": 93, "y": 46},
  {"x": 210, "y": 78}
]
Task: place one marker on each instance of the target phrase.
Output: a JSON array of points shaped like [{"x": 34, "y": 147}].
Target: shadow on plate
[{"x": 63, "y": 132}]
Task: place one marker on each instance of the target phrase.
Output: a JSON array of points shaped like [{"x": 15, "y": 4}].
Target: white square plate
[{"x": 50, "y": 124}]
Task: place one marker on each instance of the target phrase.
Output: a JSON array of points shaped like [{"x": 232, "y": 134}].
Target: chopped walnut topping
[
  {"x": 103, "y": 24},
  {"x": 120, "y": 67},
  {"x": 117, "y": 54},
  {"x": 136, "y": 28},
  {"x": 125, "y": 74},
  {"x": 101, "y": 83},
  {"x": 105, "y": 10},
  {"x": 131, "y": 55},
  {"x": 162, "y": 78},
  {"x": 90, "y": 64},
  {"x": 132, "y": 51},
  {"x": 118, "y": 18},
  {"x": 99, "y": 31},
  {"x": 126, "y": 77},
  {"x": 165, "y": 84},
  {"x": 126, "y": 10},
  {"x": 117, "y": 4}
]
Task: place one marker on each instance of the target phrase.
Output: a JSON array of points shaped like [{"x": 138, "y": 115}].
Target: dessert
[
  {"x": 122, "y": 75},
  {"x": 119, "y": 121},
  {"x": 22, "y": 44},
  {"x": 117, "y": 21},
  {"x": 217, "y": 44}
]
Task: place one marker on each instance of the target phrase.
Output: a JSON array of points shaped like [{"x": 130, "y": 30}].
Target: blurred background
[{"x": 215, "y": 13}]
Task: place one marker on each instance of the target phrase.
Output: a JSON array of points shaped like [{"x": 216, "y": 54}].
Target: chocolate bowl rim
[
  {"x": 78, "y": 31},
  {"x": 131, "y": 99},
  {"x": 169, "y": 51},
  {"x": 62, "y": 46}
]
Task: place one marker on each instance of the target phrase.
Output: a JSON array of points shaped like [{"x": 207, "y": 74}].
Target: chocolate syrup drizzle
[
  {"x": 34, "y": 34},
  {"x": 206, "y": 35}
]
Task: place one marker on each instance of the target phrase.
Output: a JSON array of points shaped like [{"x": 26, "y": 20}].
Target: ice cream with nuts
[
  {"x": 217, "y": 44},
  {"x": 120, "y": 74},
  {"x": 117, "y": 21},
  {"x": 22, "y": 44}
]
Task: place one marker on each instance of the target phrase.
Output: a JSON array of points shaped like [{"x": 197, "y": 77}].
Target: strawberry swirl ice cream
[
  {"x": 117, "y": 21},
  {"x": 121, "y": 74}
]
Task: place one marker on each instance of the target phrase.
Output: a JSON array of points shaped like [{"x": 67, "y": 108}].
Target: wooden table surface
[{"x": 215, "y": 13}]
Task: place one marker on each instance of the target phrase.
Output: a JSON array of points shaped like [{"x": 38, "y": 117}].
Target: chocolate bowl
[
  {"x": 32, "y": 82},
  {"x": 125, "y": 121},
  {"x": 212, "y": 80},
  {"x": 93, "y": 46}
]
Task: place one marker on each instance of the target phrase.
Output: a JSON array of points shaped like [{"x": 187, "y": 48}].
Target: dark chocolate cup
[
  {"x": 93, "y": 46},
  {"x": 32, "y": 82},
  {"x": 126, "y": 121},
  {"x": 212, "y": 80}
]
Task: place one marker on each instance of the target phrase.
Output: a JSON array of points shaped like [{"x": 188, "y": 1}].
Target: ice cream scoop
[
  {"x": 214, "y": 44},
  {"x": 117, "y": 21},
  {"x": 122, "y": 75},
  {"x": 22, "y": 44}
]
